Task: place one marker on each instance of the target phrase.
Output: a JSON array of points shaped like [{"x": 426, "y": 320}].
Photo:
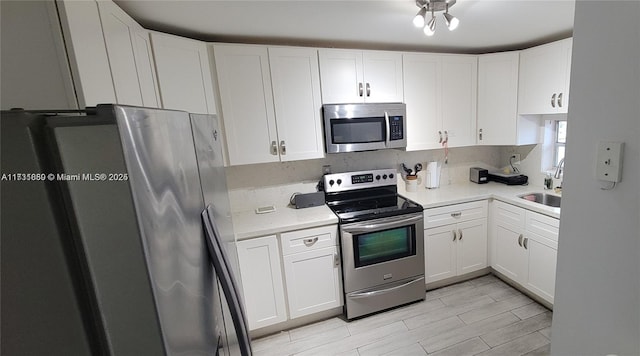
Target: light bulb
[
  {"x": 430, "y": 29},
  {"x": 452, "y": 21},
  {"x": 418, "y": 21}
]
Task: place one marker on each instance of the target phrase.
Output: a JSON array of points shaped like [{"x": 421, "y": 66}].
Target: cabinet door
[
  {"x": 543, "y": 71},
  {"x": 262, "y": 281},
  {"x": 295, "y": 79},
  {"x": 247, "y": 103},
  {"x": 459, "y": 98},
  {"x": 341, "y": 75},
  {"x": 510, "y": 257},
  {"x": 118, "y": 30},
  {"x": 471, "y": 246},
  {"x": 184, "y": 74},
  {"x": 36, "y": 76},
  {"x": 440, "y": 253},
  {"x": 498, "y": 98},
  {"x": 146, "y": 69},
  {"x": 541, "y": 276},
  {"x": 382, "y": 77},
  {"x": 421, "y": 80},
  {"x": 88, "y": 58},
  {"x": 313, "y": 281}
]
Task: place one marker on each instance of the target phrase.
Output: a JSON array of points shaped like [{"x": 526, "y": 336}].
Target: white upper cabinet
[
  {"x": 270, "y": 103},
  {"x": 351, "y": 76},
  {"x": 246, "y": 98},
  {"x": 184, "y": 74},
  {"x": 544, "y": 78},
  {"x": 129, "y": 54},
  {"x": 36, "y": 74},
  {"x": 295, "y": 80},
  {"x": 498, "y": 120},
  {"x": 87, "y": 52},
  {"x": 440, "y": 94}
]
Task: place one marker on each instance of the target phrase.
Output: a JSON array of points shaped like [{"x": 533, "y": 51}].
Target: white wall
[{"x": 597, "y": 301}]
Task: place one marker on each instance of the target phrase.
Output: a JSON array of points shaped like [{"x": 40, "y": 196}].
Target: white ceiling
[{"x": 485, "y": 25}]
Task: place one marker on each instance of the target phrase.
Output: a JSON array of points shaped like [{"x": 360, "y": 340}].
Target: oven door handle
[
  {"x": 364, "y": 227},
  {"x": 386, "y": 120},
  {"x": 383, "y": 291}
]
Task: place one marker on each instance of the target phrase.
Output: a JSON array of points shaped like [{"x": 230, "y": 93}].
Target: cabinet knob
[
  {"x": 359, "y": 89},
  {"x": 553, "y": 100},
  {"x": 283, "y": 148},
  {"x": 274, "y": 148},
  {"x": 368, "y": 90}
]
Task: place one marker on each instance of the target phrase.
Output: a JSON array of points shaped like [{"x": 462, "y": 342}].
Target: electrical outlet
[
  {"x": 515, "y": 158},
  {"x": 326, "y": 169},
  {"x": 609, "y": 161}
]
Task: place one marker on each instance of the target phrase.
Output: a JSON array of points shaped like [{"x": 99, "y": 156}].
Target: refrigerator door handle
[{"x": 230, "y": 289}]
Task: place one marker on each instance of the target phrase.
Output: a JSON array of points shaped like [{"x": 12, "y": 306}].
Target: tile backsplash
[{"x": 251, "y": 186}]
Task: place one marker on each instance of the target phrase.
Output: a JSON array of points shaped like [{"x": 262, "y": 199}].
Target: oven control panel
[{"x": 339, "y": 182}]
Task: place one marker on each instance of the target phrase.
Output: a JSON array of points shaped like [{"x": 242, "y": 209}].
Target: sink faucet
[{"x": 559, "y": 169}]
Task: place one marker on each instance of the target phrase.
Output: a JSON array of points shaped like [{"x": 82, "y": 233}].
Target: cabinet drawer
[
  {"x": 542, "y": 225},
  {"x": 507, "y": 213},
  {"x": 454, "y": 213},
  {"x": 308, "y": 239}
]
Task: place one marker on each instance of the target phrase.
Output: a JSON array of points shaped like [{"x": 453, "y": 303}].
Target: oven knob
[
  {"x": 331, "y": 182},
  {"x": 391, "y": 176},
  {"x": 378, "y": 177},
  {"x": 384, "y": 176},
  {"x": 339, "y": 181}
]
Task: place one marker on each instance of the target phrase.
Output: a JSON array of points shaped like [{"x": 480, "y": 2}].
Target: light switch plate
[{"x": 609, "y": 161}]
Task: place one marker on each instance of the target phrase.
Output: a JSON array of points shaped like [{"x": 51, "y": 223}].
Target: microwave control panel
[{"x": 396, "y": 128}]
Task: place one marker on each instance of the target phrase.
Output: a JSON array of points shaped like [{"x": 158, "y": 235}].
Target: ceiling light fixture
[{"x": 433, "y": 6}]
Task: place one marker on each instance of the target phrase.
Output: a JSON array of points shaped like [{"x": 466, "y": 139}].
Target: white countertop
[
  {"x": 466, "y": 192},
  {"x": 248, "y": 224}
]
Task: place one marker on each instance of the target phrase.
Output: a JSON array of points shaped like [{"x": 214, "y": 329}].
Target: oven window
[
  {"x": 383, "y": 246},
  {"x": 360, "y": 130}
]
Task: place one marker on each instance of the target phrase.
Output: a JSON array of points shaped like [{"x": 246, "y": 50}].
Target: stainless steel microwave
[{"x": 364, "y": 127}]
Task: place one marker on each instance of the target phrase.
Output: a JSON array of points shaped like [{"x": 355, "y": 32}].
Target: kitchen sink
[{"x": 543, "y": 198}]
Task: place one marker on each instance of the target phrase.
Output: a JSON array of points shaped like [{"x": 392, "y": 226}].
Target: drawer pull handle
[
  {"x": 456, "y": 215},
  {"x": 310, "y": 242},
  {"x": 520, "y": 240}
]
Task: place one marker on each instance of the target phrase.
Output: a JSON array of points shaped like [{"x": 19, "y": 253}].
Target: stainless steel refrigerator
[{"x": 116, "y": 235}]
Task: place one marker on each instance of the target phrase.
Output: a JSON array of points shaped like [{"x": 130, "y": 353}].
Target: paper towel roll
[{"x": 433, "y": 175}]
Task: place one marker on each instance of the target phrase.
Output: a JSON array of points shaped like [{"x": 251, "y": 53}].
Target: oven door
[{"x": 382, "y": 251}]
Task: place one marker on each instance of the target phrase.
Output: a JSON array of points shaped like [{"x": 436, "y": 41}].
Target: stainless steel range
[{"x": 382, "y": 241}]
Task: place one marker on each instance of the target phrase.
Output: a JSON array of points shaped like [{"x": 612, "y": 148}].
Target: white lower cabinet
[
  {"x": 525, "y": 246},
  {"x": 310, "y": 270},
  {"x": 262, "y": 285},
  {"x": 457, "y": 248}
]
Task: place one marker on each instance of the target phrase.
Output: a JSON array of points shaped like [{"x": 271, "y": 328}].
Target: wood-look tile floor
[{"x": 483, "y": 316}]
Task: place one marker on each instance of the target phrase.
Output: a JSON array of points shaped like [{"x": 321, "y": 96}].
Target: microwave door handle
[{"x": 386, "y": 120}]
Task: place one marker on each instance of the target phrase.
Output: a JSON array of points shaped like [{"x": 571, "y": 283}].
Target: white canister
[
  {"x": 432, "y": 177},
  {"x": 411, "y": 183}
]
